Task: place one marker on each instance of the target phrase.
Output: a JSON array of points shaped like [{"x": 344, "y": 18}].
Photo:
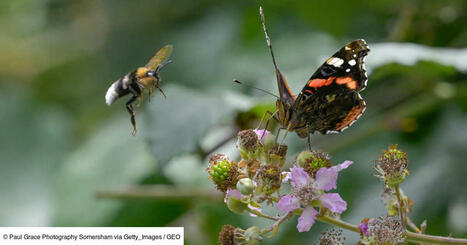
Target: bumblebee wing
[{"x": 162, "y": 55}]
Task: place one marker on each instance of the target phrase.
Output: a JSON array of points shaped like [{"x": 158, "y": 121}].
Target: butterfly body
[{"x": 330, "y": 101}]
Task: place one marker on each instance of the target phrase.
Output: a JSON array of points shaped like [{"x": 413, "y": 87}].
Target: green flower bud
[
  {"x": 391, "y": 166},
  {"x": 251, "y": 236},
  {"x": 226, "y": 236},
  {"x": 277, "y": 155},
  {"x": 269, "y": 179},
  {"x": 248, "y": 144},
  {"x": 311, "y": 162},
  {"x": 245, "y": 186},
  {"x": 235, "y": 205},
  {"x": 223, "y": 172}
]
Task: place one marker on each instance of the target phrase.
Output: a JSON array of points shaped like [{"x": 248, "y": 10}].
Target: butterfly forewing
[{"x": 160, "y": 57}]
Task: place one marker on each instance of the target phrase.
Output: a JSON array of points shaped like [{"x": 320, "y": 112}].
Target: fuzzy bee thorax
[{"x": 144, "y": 79}]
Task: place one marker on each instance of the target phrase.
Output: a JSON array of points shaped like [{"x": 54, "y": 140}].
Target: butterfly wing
[
  {"x": 345, "y": 67},
  {"x": 160, "y": 57},
  {"x": 330, "y": 101}
]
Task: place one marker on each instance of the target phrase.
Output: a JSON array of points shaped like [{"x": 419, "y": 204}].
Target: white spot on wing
[
  {"x": 347, "y": 70},
  {"x": 334, "y": 61},
  {"x": 352, "y": 62}
]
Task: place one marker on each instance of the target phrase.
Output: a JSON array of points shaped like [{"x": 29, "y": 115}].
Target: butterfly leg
[
  {"x": 286, "y": 132},
  {"x": 129, "y": 107},
  {"x": 309, "y": 142},
  {"x": 278, "y": 132},
  {"x": 271, "y": 115}
]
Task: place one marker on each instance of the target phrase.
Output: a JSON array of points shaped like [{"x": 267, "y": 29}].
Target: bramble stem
[
  {"x": 411, "y": 236},
  {"x": 402, "y": 209},
  {"x": 259, "y": 214},
  {"x": 275, "y": 227}
]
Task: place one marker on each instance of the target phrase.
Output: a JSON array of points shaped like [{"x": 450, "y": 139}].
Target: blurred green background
[{"x": 67, "y": 159}]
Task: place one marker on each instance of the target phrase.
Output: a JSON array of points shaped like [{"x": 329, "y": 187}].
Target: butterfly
[
  {"x": 138, "y": 80},
  {"x": 330, "y": 102}
]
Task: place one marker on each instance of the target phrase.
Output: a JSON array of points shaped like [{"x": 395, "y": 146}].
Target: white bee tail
[{"x": 111, "y": 94}]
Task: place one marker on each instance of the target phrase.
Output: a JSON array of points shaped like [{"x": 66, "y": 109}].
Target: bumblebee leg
[
  {"x": 140, "y": 97},
  {"x": 162, "y": 92},
  {"x": 151, "y": 93},
  {"x": 130, "y": 109}
]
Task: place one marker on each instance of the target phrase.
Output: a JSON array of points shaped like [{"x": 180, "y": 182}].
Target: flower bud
[
  {"x": 223, "y": 172},
  {"x": 277, "y": 155},
  {"x": 385, "y": 230},
  {"x": 269, "y": 179},
  {"x": 226, "y": 236},
  {"x": 252, "y": 167},
  {"x": 251, "y": 236},
  {"x": 391, "y": 166},
  {"x": 248, "y": 144},
  {"x": 245, "y": 186},
  {"x": 311, "y": 162},
  {"x": 235, "y": 201}
]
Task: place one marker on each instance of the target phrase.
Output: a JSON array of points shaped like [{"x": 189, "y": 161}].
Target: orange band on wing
[
  {"x": 348, "y": 81},
  {"x": 319, "y": 82},
  {"x": 353, "y": 115}
]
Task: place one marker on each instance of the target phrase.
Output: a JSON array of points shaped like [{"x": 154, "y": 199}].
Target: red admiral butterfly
[{"x": 330, "y": 101}]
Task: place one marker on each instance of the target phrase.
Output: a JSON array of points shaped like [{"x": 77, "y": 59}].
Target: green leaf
[
  {"x": 180, "y": 122},
  {"x": 108, "y": 159}
]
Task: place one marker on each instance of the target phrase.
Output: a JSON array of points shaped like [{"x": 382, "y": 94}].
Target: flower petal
[
  {"x": 343, "y": 165},
  {"x": 364, "y": 228},
  {"x": 262, "y": 133},
  {"x": 326, "y": 179},
  {"x": 285, "y": 176},
  {"x": 333, "y": 202},
  {"x": 253, "y": 208},
  {"x": 288, "y": 203},
  {"x": 307, "y": 219},
  {"x": 233, "y": 193},
  {"x": 299, "y": 177}
]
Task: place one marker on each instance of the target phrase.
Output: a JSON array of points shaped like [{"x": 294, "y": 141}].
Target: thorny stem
[
  {"x": 402, "y": 209},
  {"x": 412, "y": 225},
  {"x": 411, "y": 236},
  {"x": 275, "y": 227},
  {"x": 259, "y": 214}
]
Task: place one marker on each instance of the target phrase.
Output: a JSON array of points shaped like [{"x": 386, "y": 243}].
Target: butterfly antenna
[
  {"x": 251, "y": 86},
  {"x": 268, "y": 40}
]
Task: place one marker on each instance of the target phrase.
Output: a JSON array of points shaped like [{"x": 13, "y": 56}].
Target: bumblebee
[{"x": 139, "y": 80}]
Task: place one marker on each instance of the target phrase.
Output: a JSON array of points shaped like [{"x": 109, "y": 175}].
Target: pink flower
[
  {"x": 306, "y": 189},
  {"x": 262, "y": 133},
  {"x": 232, "y": 193},
  {"x": 364, "y": 228}
]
